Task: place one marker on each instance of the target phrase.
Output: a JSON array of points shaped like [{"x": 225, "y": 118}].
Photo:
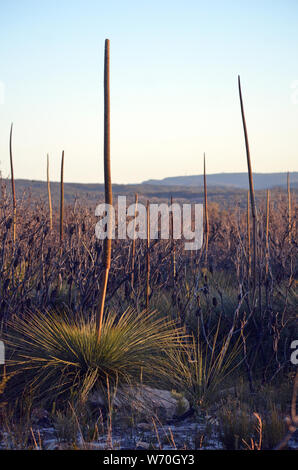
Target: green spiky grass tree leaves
[
  {"x": 202, "y": 367},
  {"x": 57, "y": 356}
]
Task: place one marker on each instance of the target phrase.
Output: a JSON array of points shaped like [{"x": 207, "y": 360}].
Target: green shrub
[
  {"x": 237, "y": 424},
  {"x": 202, "y": 367},
  {"x": 55, "y": 356}
]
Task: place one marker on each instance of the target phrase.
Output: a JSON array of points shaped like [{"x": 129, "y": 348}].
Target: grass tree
[
  {"x": 13, "y": 191},
  {"x": 49, "y": 193},
  {"x": 134, "y": 244},
  {"x": 206, "y": 219},
  {"x": 289, "y": 205},
  {"x": 173, "y": 246},
  {"x": 267, "y": 231},
  {"x": 55, "y": 355},
  {"x": 148, "y": 257},
  {"x": 108, "y": 190},
  {"x": 248, "y": 237},
  {"x": 62, "y": 197},
  {"x": 251, "y": 191}
]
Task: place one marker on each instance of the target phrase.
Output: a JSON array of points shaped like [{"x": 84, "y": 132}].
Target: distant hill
[
  {"x": 224, "y": 194},
  {"x": 94, "y": 193},
  {"x": 236, "y": 180}
]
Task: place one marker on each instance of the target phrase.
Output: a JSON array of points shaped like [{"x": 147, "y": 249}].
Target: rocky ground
[
  {"x": 160, "y": 420},
  {"x": 189, "y": 434}
]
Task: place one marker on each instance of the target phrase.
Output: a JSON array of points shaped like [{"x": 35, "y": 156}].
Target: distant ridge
[
  {"x": 236, "y": 180},
  {"x": 224, "y": 193}
]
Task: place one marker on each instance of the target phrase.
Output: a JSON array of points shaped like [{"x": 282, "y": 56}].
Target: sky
[{"x": 174, "y": 95}]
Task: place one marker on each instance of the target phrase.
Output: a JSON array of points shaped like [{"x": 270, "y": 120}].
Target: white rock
[{"x": 146, "y": 401}]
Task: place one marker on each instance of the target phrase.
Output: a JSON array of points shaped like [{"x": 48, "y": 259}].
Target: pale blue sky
[{"x": 174, "y": 95}]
